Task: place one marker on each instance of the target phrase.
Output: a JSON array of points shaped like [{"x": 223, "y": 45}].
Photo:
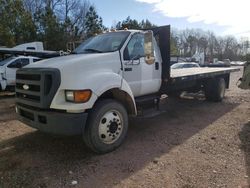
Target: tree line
[
  {"x": 59, "y": 22},
  {"x": 55, "y": 22},
  {"x": 189, "y": 41}
]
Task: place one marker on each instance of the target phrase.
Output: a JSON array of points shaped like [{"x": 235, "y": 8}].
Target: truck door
[
  {"x": 11, "y": 71},
  {"x": 12, "y": 68},
  {"x": 142, "y": 77}
]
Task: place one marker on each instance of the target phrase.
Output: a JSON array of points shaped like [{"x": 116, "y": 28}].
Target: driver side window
[
  {"x": 14, "y": 64},
  {"x": 135, "y": 47}
]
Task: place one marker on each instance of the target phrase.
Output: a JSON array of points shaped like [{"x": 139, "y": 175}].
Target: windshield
[
  {"x": 177, "y": 66},
  {"x": 108, "y": 42},
  {"x": 3, "y": 62}
]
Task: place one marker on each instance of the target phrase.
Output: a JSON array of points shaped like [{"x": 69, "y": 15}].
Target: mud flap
[{"x": 245, "y": 80}]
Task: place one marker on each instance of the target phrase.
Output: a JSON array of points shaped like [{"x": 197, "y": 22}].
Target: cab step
[{"x": 150, "y": 113}]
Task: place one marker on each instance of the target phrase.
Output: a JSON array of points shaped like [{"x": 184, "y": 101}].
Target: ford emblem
[{"x": 26, "y": 87}]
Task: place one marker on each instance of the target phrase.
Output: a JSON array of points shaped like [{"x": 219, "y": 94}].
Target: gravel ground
[{"x": 193, "y": 144}]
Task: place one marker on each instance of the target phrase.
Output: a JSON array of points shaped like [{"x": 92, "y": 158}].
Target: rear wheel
[
  {"x": 107, "y": 126},
  {"x": 215, "y": 89}
]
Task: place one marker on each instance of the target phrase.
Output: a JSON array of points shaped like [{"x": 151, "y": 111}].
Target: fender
[
  {"x": 99, "y": 82},
  {"x": 125, "y": 87},
  {"x": 104, "y": 81},
  {"x": 108, "y": 81},
  {"x": 122, "y": 93},
  {"x": 125, "y": 96}
]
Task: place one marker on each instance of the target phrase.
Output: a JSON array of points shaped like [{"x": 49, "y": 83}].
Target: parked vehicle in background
[
  {"x": 238, "y": 63},
  {"x": 9, "y": 66},
  {"x": 185, "y": 65},
  {"x": 227, "y": 61},
  {"x": 217, "y": 63},
  {"x": 36, "y": 46}
]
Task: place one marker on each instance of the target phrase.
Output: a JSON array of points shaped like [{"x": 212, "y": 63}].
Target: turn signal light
[{"x": 78, "y": 96}]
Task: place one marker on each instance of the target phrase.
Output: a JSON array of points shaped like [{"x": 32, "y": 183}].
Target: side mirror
[{"x": 149, "y": 47}]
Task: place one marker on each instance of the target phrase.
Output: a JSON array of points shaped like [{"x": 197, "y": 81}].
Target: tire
[
  {"x": 106, "y": 127},
  {"x": 215, "y": 89}
]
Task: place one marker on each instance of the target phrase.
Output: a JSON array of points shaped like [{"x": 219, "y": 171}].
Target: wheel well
[
  {"x": 122, "y": 97},
  {"x": 226, "y": 77}
]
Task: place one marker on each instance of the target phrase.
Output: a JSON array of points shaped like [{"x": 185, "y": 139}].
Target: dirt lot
[{"x": 193, "y": 144}]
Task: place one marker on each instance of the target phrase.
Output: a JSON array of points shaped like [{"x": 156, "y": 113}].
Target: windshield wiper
[{"x": 93, "y": 50}]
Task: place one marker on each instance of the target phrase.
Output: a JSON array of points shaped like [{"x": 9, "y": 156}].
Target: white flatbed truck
[{"x": 108, "y": 78}]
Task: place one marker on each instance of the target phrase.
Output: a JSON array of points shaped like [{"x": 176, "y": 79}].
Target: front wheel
[{"x": 107, "y": 126}]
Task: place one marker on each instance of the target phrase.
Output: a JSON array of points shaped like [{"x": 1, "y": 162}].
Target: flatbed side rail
[{"x": 193, "y": 74}]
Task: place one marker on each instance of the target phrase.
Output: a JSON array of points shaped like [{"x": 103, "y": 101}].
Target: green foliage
[
  {"x": 16, "y": 24},
  {"x": 93, "y": 24},
  {"x": 56, "y": 23},
  {"x": 28, "y": 20},
  {"x": 128, "y": 23},
  {"x": 51, "y": 32},
  {"x": 147, "y": 24},
  {"x": 247, "y": 58},
  {"x": 134, "y": 24}
]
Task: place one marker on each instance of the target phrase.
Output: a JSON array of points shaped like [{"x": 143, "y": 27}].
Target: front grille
[
  {"x": 37, "y": 87},
  {"x": 35, "y": 77},
  {"x": 32, "y": 87}
]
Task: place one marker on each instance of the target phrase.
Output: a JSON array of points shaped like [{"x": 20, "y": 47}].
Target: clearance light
[{"x": 78, "y": 96}]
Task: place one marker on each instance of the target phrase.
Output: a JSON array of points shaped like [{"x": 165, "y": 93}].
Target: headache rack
[{"x": 37, "y": 87}]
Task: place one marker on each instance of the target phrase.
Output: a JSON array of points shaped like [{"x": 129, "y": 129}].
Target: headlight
[{"x": 78, "y": 96}]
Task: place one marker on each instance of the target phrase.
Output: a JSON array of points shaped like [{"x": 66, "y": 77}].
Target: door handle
[
  {"x": 128, "y": 69},
  {"x": 156, "y": 66}
]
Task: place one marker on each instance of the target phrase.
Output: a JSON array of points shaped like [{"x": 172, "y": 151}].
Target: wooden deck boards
[{"x": 176, "y": 73}]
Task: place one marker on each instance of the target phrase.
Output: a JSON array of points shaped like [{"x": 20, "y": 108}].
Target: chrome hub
[{"x": 110, "y": 127}]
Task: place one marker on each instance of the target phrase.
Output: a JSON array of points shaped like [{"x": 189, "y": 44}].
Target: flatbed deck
[{"x": 199, "y": 73}]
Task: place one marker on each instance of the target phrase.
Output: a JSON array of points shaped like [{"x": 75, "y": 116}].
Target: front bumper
[{"x": 60, "y": 123}]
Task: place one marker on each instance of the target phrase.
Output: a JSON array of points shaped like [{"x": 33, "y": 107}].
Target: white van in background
[{"x": 9, "y": 66}]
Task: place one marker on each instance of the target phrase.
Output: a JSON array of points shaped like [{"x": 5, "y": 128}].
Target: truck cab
[
  {"x": 9, "y": 66},
  {"x": 93, "y": 91},
  {"x": 124, "y": 52}
]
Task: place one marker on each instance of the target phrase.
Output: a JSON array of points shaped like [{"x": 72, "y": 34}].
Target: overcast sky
[{"x": 224, "y": 17}]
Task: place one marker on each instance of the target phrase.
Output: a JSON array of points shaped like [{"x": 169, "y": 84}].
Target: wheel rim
[
  {"x": 110, "y": 127},
  {"x": 222, "y": 89}
]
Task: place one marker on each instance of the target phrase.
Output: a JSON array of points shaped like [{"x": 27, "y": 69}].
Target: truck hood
[
  {"x": 78, "y": 70},
  {"x": 82, "y": 61}
]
